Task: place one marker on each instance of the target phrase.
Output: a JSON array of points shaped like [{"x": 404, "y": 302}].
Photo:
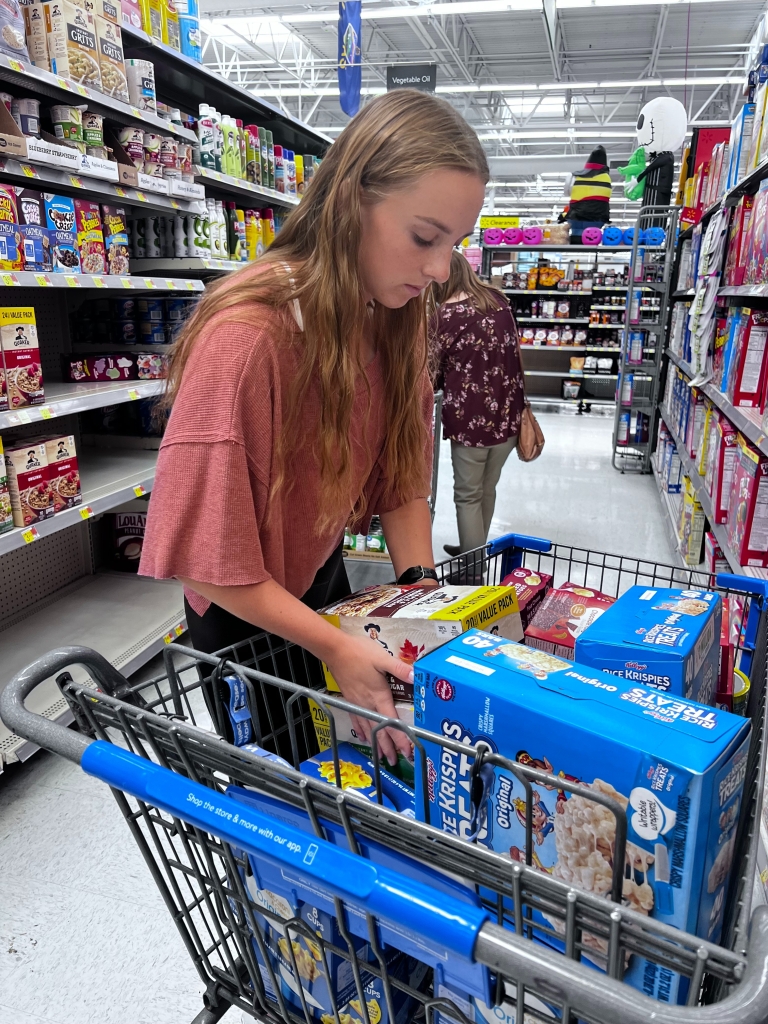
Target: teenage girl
[{"x": 300, "y": 398}]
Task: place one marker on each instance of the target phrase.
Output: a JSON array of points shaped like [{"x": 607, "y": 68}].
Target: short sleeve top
[{"x": 209, "y": 519}]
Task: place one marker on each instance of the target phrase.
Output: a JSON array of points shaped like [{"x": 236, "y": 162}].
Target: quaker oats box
[
  {"x": 677, "y": 768},
  {"x": 661, "y": 637},
  {"x": 63, "y": 471},
  {"x": 21, "y": 356},
  {"x": 27, "y": 469},
  {"x": 72, "y": 44},
  {"x": 111, "y": 61},
  {"x": 409, "y": 621}
]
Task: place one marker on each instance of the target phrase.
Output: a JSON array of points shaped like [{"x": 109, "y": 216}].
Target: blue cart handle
[
  {"x": 518, "y": 540},
  {"x": 379, "y": 891},
  {"x": 742, "y": 584}
]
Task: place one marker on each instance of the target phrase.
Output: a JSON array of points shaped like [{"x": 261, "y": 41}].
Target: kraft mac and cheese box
[
  {"x": 661, "y": 637},
  {"x": 358, "y": 775},
  {"x": 409, "y": 621},
  {"x": 677, "y": 767}
]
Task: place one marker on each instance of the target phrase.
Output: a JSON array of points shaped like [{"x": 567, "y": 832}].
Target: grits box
[
  {"x": 661, "y": 637},
  {"x": 409, "y": 621},
  {"x": 564, "y": 614},
  {"x": 675, "y": 766}
]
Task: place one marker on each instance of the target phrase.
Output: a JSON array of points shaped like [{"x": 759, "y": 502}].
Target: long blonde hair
[{"x": 392, "y": 142}]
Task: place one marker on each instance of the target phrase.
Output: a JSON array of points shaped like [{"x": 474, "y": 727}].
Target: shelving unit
[{"x": 54, "y": 589}]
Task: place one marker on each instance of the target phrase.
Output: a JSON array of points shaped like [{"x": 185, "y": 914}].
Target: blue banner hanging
[{"x": 350, "y": 56}]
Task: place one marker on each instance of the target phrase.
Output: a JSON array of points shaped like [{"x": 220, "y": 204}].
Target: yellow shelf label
[
  {"x": 24, "y": 416},
  {"x": 30, "y": 535},
  {"x": 175, "y": 205},
  {"x": 139, "y": 491},
  {"x": 86, "y": 512},
  {"x": 136, "y": 112},
  {"x": 133, "y": 394},
  {"x": 99, "y": 282},
  {"x": 28, "y": 171},
  {"x": 47, "y": 412},
  {"x": 126, "y": 282},
  {"x": 179, "y": 630},
  {"x": 72, "y": 282},
  {"x": 16, "y": 65},
  {"x": 81, "y": 89},
  {"x": 141, "y": 196},
  {"x": 170, "y": 285},
  {"x": 9, "y": 280},
  {"x": 149, "y": 283},
  {"x": 42, "y": 280},
  {"x": 190, "y": 286},
  {"x": 120, "y": 192},
  {"x": 168, "y": 638},
  {"x": 75, "y": 181}
]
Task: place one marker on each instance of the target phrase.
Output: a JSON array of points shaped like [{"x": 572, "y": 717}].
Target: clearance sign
[{"x": 499, "y": 222}]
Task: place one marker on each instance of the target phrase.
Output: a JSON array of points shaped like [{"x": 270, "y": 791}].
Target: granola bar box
[
  {"x": 662, "y": 637},
  {"x": 677, "y": 768},
  {"x": 63, "y": 471},
  {"x": 21, "y": 356},
  {"x": 27, "y": 469},
  {"x": 408, "y": 621}
]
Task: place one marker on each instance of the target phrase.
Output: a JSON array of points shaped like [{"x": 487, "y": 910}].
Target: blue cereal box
[
  {"x": 661, "y": 637},
  {"x": 675, "y": 766},
  {"x": 358, "y": 774}
]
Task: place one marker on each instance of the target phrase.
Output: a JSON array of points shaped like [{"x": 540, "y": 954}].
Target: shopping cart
[{"x": 470, "y": 911}]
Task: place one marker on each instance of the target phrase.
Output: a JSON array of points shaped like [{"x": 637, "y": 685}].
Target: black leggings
[{"x": 217, "y": 629}]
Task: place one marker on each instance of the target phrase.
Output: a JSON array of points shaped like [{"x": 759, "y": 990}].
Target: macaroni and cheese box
[
  {"x": 346, "y": 732},
  {"x": 565, "y": 613},
  {"x": 63, "y": 471},
  {"x": 408, "y": 621},
  {"x": 357, "y": 774},
  {"x": 660, "y": 637},
  {"x": 675, "y": 766},
  {"x": 21, "y": 356}
]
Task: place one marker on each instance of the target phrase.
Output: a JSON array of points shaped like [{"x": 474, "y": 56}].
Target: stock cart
[{"x": 468, "y": 911}]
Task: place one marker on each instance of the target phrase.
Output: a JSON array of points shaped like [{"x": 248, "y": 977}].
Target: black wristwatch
[{"x": 416, "y": 574}]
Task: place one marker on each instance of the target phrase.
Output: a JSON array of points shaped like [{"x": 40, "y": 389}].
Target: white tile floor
[{"x": 84, "y": 936}]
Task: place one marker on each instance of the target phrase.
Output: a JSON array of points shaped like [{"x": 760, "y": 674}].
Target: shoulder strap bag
[{"x": 530, "y": 440}]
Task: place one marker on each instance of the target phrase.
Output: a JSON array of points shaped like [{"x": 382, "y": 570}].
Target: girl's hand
[{"x": 360, "y": 666}]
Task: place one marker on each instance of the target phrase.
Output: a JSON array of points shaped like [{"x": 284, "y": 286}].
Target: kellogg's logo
[
  {"x": 444, "y": 690},
  {"x": 636, "y": 665}
]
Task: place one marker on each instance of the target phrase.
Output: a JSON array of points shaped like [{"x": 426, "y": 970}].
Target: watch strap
[{"x": 416, "y": 574}]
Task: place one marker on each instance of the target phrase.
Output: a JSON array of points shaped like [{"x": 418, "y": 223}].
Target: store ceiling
[{"x": 542, "y": 81}]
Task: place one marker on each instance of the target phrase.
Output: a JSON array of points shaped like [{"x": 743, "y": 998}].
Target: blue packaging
[
  {"x": 191, "y": 40},
  {"x": 661, "y": 637},
  {"x": 60, "y": 220},
  {"x": 358, "y": 774},
  {"x": 677, "y": 767}
]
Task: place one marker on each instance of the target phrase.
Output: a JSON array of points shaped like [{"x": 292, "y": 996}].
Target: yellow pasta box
[
  {"x": 152, "y": 18},
  {"x": 409, "y": 621},
  {"x": 170, "y": 25}
]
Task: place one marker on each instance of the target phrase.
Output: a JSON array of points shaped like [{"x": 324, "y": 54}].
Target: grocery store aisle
[
  {"x": 84, "y": 935},
  {"x": 571, "y": 494}
]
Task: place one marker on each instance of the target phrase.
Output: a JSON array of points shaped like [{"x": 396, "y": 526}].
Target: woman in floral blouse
[{"x": 476, "y": 358}]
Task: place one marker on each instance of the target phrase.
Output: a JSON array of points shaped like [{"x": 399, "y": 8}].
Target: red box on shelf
[
  {"x": 757, "y": 240},
  {"x": 748, "y": 506},
  {"x": 738, "y": 242},
  {"x": 103, "y": 368},
  {"x": 722, "y": 454},
  {"x": 749, "y": 379}
]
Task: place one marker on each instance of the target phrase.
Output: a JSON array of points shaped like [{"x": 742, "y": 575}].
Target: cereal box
[
  {"x": 60, "y": 219},
  {"x": 72, "y": 44},
  {"x": 90, "y": 238},
  {"x": 408, "y": 621},
  {"x": 27, "y": 470},
  {"x": 21, "y": 355},
  {"x": 6, "y": 512},
  {"x": 661, "y": 637},
  {"x": 357, "y": 773},
  {"x": 677, "y": 767},
  {"x": 116, "y": 239},
  {"x": 35, "y": 236},
  {"x": 749, "y": 370},
  {"x": 565, "y": 612},
  {"x": 151, "y": 365},
  {"x": 10, "y": 232},
  {"x": 721, "y": 458},
  {"x": 63, "y": 472},
  {"x": 748, "y": 506},
  {"x": 37, "y": 37},
  {"x": 531, "y": 587},
  {"x": 111, "y": 61}
]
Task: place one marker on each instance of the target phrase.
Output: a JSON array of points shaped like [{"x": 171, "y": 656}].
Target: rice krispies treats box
[
  {"x": 408, "y": 621},
  {"x": 676, "y": 766},
  {"x": 661, "y": 637}
]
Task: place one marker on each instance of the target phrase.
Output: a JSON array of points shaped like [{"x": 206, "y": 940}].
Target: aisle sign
[
  {"x": 412, "y": 76},
  {"x": 499, "y": 222}
]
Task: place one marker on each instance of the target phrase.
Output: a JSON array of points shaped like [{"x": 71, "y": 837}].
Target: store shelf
[
  {"x": 109, "y": 477},
  {"x": 28, "y": 279},
  {"x": 42, "y": 82},
  {"x": 65, "y": 399},
  {"x": 610, "y": 327},
  {"x": 551, "y": 320},
  {"x": 585, "y": 250},
  {"x": 748, "y": 421},
  {"x": 569, "y": 348},
  {"x": 575, "y": 374},
  {"x": 239, "y": 187},
  {"x": 613, "y": 309},
  {"x": 745, "y": 291},
  {"x": 185, "y": 265},
  {"x": 683, "y": 296},
  {"x": 532, "y": 293},
  {"x": 126, "y": 618},
  {"x": 97, "y": 189},
  {"x": 706, "y": 503}
]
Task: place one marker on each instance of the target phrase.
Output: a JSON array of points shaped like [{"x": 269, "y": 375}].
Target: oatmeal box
[
  {"x": 21, "y": 356},
  {"x": 27, "y": 469},
  {"x": 63, "y": 471},
  {"x": 675, "y": 766},
  {"x": 60, "y": 218}
]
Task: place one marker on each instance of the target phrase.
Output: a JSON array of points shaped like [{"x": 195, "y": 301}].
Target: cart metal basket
[{"x": 469, "y": 910}]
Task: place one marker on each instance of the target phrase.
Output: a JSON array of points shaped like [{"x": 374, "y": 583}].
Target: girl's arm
[
  {"x": 408, "y": 532},
  {"x": 358, "y": 665}
]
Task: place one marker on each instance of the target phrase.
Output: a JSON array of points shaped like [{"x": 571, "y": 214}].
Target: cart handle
[
  {"x": 742, "y": 584},
  {"x": 517, "y": 540}
]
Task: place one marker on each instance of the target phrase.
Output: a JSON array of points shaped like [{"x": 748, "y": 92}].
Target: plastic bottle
[
  {"x": 241, "y": 141},
  {"x": 279, "y": 169},
  {"x": 233, "y": 240},
  {"x": 290, "y": 172},
  {"x": 254, "y": 240},
  {"x": 180, "y": 240},
  {"x": 264, "y": 153},
  {"x": 240, "y": 228},
  {"x": 218, "y": 138},
  {"x": 268, "y": 226},
  {"x": 213, "y": 228},
  {"x": 227, "y": 133},
  {"x": 299, "y": 162},
  {"x": 271, "y": 158},
  {"x": 221, "y": 229},
  {"x": 205, "y": 138},
  {"x": 252, "y": 154}
]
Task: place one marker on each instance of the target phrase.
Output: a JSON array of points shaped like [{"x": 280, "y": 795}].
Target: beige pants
[{"x": 476, "y": 472}]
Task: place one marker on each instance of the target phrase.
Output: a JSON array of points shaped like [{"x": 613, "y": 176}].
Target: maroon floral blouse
[{"x": 477, "y": 360}]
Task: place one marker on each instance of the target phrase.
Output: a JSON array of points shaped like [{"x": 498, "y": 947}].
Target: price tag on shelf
[
  {"x": 760, "y": 440},
  {"x": 86, "y": 512},
  {"x": 126, "y": 282},
  {"x": 136, "y": 112},
  {"x": 190, "y": 286},
  {"x": 28, "y": 171},
  {"x": 63, "y": 84},
  {"x": 75, "y": 181},
  {"x": 30, "y": 535},
  {"x": 170, "y": 285},
  {"x": 99, "y": 282},
  {"x": 72, "y": 281},
  {"x": 149, "y": 282},
  {"x": 81, "y": 89},
  {"x": 168, "y": 638},
  {"x": 139, "y": 491},
  {"x": 175, "y": 205},
  {"x": 9, "y": 280},
  {"x": 179, "y": 630},
  {"x": 47, "y": 412},
  {"x": 141, "y": 196},
  {"x": 16, "y": 65},
  {"x": 120, "y": 192},
  {"x": 24, "y": 416},
  {"x": 43, "y": 280},
  {"x": 133, "y": 394}
]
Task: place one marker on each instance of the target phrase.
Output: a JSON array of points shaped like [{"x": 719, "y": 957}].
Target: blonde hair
[
  {"x": 463, "y": 279},
  {"x": 391, "y": 143}
]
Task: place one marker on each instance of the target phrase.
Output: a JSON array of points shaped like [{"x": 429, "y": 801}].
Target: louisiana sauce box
[
  {"x": 660, "y": 637},
  {"x": 675, "y": 766}
]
